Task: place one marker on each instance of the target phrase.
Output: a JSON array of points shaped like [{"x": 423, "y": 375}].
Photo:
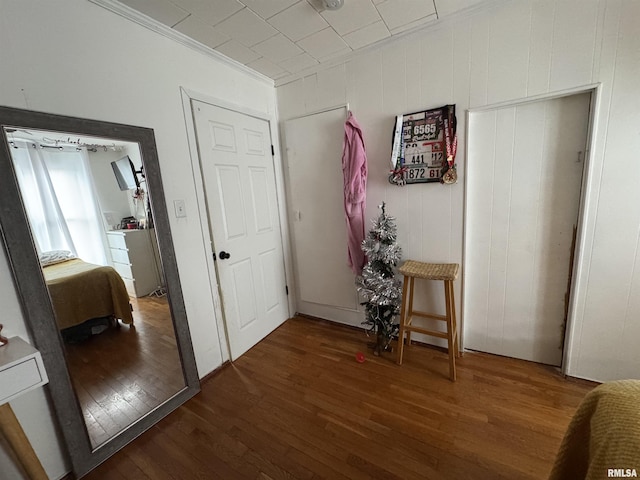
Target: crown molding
[
  {"x": 434, "y": 25},
  {"x": 149, "y": 23}
]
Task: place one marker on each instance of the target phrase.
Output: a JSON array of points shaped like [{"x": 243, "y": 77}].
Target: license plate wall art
[{"x": 424, "y": 147}]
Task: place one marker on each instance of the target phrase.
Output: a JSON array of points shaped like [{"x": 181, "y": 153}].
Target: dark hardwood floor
[
  {"x": 298, "y": 405},
  {"x": 124, "y": 373}
]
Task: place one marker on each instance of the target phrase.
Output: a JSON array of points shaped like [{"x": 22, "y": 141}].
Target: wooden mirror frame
[{"x": 34, "y": 296}]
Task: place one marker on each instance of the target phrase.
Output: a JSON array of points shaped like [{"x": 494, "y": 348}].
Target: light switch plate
[{"x": 181, "y": 210}]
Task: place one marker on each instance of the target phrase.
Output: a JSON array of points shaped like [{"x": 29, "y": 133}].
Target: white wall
[
  {"x": 72, "y": 57},
  {"x": 516, "y": 50}
]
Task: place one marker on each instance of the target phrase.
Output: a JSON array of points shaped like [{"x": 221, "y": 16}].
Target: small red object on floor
[{"x": 360, "y": 357}]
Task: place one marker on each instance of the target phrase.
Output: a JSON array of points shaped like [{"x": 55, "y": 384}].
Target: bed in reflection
[{"x": 82, "y": 291}]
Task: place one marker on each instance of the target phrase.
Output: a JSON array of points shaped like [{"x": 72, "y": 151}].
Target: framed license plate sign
[{"x": 424, "y": 145}]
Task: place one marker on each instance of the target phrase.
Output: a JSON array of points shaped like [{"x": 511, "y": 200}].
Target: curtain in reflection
[{"x": 58, "y": 194}]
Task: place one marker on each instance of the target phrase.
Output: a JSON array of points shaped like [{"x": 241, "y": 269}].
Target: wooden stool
[{"x": 446, "y": 272}]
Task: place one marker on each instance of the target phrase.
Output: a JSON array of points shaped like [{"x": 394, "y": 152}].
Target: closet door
[
  {"x": 524, "y": 179},
  {"x": 325, "y": 282}
]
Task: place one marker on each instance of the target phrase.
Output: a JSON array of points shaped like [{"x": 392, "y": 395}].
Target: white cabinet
[
  {"x": 132, "y": 252},
  {"x": 21, "y": 369}
]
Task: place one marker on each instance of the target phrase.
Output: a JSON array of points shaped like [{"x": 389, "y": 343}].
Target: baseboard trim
[{"x": 215, "y": 371}]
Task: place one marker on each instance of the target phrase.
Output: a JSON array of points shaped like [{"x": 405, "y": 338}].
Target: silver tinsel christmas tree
[{"x": 377, "y": 285}]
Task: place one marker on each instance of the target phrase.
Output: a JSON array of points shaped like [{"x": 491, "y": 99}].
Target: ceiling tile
[
  {"x": 323, "y": 43},
  {"x": 298, "y": 21},
  {"x": 447, "y": 7},
  {"x": 336, "y": 54},
  {"x": 161, "y": 10},
  {"x": 367, "y": 35},
  {"x": 211, "y": 11},
  {"x": 202, "y": 32},
  {"x": 417, "y": 23},
  {"x": 238, "y": 52},
  {"x": 354, "y": 15},
  {"x": 247, "y": 28},
  {"x": 299, "y": 63},
  {"x": 268, "y": 8},
  {"x": 266, "y": 67},
  {"x": 281, "y": 37},
  {"x": 397, "y": 13},
  {"x": 318, "y": 5},
  {"x": 277, "y": 48}
]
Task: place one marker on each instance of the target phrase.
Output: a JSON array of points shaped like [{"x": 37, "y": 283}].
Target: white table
[{"x": 21, "y": 370}]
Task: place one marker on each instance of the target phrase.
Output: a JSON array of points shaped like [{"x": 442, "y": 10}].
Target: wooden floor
[
  {"x": 298, "y": 405},
  {"x": 123, "y": 373}
]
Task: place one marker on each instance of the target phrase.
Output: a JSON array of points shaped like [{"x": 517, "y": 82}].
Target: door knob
[{"x": 224, "y": 255}]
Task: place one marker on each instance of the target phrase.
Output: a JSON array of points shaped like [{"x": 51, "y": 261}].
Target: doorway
[
  {"x": 523, "y": 194},
  {"x": 238, "y": 174}
]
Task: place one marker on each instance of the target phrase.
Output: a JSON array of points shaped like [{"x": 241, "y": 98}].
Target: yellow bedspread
[
  {"x": 81, "y": 291},
  {"x": 603, "y": 438}
]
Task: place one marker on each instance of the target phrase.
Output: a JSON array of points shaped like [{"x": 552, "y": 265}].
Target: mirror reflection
[{"x": 88, "y": 207}]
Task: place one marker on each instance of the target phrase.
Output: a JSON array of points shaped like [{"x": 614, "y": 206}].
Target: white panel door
[
  {"x": 314, "y": 162},
  {"x": 524, "y": 179},
  {"x": 238, "y": 174}
]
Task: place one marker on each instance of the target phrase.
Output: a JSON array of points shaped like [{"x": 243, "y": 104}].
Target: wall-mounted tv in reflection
[{"x": 125, "y": 173}]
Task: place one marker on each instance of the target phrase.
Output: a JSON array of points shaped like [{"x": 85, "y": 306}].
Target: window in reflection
[{"x": 62, "y": 206}]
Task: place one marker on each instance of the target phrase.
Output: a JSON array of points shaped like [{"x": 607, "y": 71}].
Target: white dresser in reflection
[{"x": 134, "y": 259}]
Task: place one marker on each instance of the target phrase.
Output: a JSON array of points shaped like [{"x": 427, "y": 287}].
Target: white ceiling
[{"x": 279, "y": 38}]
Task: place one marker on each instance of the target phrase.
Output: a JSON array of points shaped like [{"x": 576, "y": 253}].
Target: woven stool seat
[
  {"x": 430, "y": 271},
  {"x": 447, "y": 273}
]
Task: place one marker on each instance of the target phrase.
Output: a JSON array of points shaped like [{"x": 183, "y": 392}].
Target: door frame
[
  {"x": 589, "y": 190},
  {"x": 203, "y": 216}
]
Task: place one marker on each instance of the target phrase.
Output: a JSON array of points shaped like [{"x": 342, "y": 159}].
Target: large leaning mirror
[{"x": 86, "y": 229}]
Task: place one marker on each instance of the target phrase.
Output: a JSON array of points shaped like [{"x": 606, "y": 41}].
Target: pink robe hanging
[{"x": 354, "y": 170}]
